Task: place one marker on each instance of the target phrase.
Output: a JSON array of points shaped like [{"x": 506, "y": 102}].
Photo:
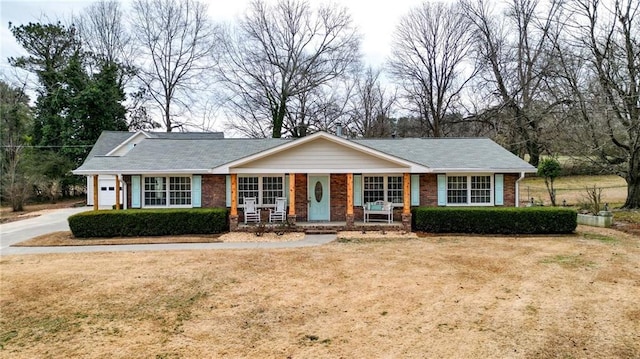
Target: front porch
[{"x": 334, "y": 193}]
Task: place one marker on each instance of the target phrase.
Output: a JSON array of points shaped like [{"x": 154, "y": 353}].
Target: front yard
[{"x": 440, "y": 296}]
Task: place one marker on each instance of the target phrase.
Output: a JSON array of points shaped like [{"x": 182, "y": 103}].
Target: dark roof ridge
[
  {"x": 217, "y": 139},
  {"x": 422, "y": 138}
]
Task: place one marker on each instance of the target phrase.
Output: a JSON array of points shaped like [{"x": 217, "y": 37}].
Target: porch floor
[{"x": 331, "y": 227}]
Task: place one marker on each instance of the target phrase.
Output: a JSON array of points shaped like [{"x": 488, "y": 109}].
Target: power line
[{"x": 32, "y": 146}]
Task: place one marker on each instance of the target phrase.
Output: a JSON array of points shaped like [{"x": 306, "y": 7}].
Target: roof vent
[{"x": 339, "y": 129}]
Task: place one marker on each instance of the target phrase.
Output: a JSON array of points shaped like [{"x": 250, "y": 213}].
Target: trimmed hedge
[
  {"x": 492, "y": 220},
  {"x": 149, "y": 222}
]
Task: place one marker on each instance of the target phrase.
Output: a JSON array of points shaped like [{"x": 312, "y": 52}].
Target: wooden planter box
[{"x": 603, "y": 219}]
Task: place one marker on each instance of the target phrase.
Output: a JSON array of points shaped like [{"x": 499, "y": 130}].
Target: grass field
[
  {"x": 572, "y": 189},
  {"x": 464, "y": 297}
]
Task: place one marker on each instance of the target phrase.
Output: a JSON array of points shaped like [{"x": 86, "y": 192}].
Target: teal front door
[{"x": 318, "y": 193}]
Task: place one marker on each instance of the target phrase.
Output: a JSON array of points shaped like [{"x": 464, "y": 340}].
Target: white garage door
[{"x": 107, "y": 192}]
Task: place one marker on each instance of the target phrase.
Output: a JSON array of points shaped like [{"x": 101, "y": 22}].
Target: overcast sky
[{"x": 375, "y": 19}]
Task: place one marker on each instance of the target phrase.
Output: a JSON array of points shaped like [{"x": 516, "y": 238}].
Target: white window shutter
[
  {"x": 415, "y": 190},
  {"x": 286, "y": 187},
  {"x": 228, "y": 191},
  {"x": 196, "y": 191},
  {"x": 357, "y": 190},
  {"x": 498, "y": 188},
  {"x": 442, "y": 190},
  {"x": 135, "y": 191}
]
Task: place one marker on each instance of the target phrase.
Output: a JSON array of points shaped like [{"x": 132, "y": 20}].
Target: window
[
  {"x": 394, "y": 189},
  {"x": 480, "y": 189},
  {"x": 373, "y": 188},
  {"x": 272, "y": 187},
  {"x": 247, "y": 187},
  {"x": 176, "y": 189},
  {"x": 475, "y": 190},
  {"x": 383, "y": 188},
  {"x": 265, "y": 189},
  {"x": 180, "y": 191},
  {"x": 457, "y": 189},
  {"x": 155, "y": 191}
]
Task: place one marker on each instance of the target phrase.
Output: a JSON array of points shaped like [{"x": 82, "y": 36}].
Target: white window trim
[
  {"x": 386, "y": 186},
  {"x": 260, "y": 190},
  {"x": 168, "y": 205},
  {"x": 469, "y": 204}
]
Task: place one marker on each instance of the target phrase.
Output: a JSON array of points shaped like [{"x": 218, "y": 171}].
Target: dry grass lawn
[
  {"x": 65, "y": 238},
  {"x": 441, "y": 296}
]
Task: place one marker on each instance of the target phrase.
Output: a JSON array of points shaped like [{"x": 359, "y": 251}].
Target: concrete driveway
[
  {"x": 56, "y": 220},
  {"x": 50, "y": 221}
]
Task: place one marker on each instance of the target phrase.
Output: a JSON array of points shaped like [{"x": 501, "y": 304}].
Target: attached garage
[{"x": 106, "y": 191}]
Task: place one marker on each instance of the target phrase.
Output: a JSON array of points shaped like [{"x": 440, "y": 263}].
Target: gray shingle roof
[
  {"x": 107, "y": 141},
  {"x": 449, "y": 153},
  {"x": 173, "y": 155},
  {"x": 187, "y": 135},
  {"x": 201, "y": 152}
]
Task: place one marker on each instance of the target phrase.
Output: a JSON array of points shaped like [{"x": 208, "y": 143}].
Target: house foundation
[
  {"x": 233, "y": 223},
  {"x": 406, "y": 222}
]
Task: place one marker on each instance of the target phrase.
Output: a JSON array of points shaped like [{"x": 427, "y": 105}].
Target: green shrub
[
  {"x": 149, "y": 222},
  {"x": 492, "y": 220}
]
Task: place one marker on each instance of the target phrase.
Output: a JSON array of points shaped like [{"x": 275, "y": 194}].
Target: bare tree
[
  {"x": 370, "y": 106},
  {"x": 515, "y": 54},
  {"x": 601, "y": 65},
  {"x": 319, "y": 109},
  {"x": 176, "y": 40},
  {"x": 103, "y": 32},
  {"x": 430, "y": 53},
  {"x": 277, "y": 55}
]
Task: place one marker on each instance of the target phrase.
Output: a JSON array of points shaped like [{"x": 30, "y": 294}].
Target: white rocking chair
[
  {"x": 251, "y": 212},
  {"x": 279, "y": 214}
]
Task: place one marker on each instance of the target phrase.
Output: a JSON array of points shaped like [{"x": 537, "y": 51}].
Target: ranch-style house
[{"x": 318, "y": 178}]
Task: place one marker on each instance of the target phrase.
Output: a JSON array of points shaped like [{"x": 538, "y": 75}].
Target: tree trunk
[
  {"x": 633, "y": 184},
  {"x": 279, "y": 120},
  {"x": 167, "y": 115},
  {"x": 551, "y": 190},
  {"x": 534, "y": 153}
]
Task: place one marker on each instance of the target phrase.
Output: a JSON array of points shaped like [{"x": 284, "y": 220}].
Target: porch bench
[{"x": 378, "y": 208}]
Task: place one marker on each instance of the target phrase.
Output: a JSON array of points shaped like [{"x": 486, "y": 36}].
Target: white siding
[
  {"x": 321, "y": 154},
  {"x": 138, "y": 137},
  {"x": 89, "y": 190}
]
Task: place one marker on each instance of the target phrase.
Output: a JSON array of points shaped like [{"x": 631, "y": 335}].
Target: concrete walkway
[{"x": 15, "y": 232}]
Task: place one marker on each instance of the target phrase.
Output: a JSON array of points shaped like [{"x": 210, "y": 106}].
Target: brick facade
[
  {"x": 301, "y": 197},
  {"x": 214, "y": 191},
  {"x": 510, "y": 189},
  {"x": 338, "y": 199},
  {"x": 429, "y": 190},
  {"x": 214, "y": 195},
  {"x": 127, "y": 180}
]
